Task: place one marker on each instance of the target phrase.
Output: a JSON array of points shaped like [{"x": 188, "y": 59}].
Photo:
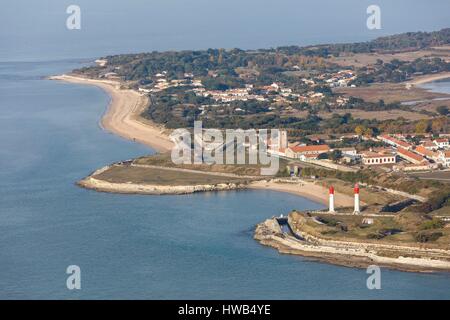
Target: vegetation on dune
[
  {"x": 404, "y": 228},
  {"x": 440, "y": 192}
]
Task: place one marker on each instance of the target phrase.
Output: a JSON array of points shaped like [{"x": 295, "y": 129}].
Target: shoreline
[
  {"x": 123, "y": 113},
  {"x": 350, "y": 254},
  {"x": 430, "y": 78},
  {"x": 308, "y": 190},
  {"x": 122, "y": 117}
]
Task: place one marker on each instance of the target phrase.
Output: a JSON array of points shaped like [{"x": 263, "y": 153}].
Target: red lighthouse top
[
  {"x": 356, "y": 189},
  {"x": 331, "y": 190}
]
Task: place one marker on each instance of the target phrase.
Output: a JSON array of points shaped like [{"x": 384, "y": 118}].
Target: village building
[
  {"x": 394, "y": 142},
  {"x": 314, "y": 150},
  {"x": 423, "y": 151},
  {"x": 444, "y": 158},
  {"x": 411, "y": 156},
  {"x": 308, "y": 157},
  {"x": 348, "y": 151},
  {"x": 429, "y": 145},
  {"x": 414, "y": 167},
  {"x": 441, "y": 143},
  {"x": 370, "y": 158}
]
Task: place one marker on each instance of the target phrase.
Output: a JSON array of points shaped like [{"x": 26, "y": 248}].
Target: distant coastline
[{"x": 430, "y": 78}]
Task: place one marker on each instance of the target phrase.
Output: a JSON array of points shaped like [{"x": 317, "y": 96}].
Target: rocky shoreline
[
  {"x": 352, "y": 254},
  {"x": 148, "y": 189}
]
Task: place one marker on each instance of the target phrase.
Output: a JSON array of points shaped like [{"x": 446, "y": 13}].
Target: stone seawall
[
  {"x": 133, "y": 188},
  {"x": 352, "y": 254}
]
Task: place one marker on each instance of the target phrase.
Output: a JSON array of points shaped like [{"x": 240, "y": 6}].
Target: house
[
  {"x": 424, "y": 166},
  {"x": 411, "y": 156},
  {"x": 308, "y": 157},
  {"x": 444, "y": 158},
  {"x": 371, "y": 158},
  {"x": 348, "y": 151},
  {"x": 441, "y": 143},
  {"x": 430, "y": 145},
  {"x": 368, "y": 221},
  {"x": 297, "y": 151},
  {"x": 317, "y": 138},
  {"x": 394, "y": 142},
  {"x": 423, "y": 151},
  {"x": 144, "y": 90}
]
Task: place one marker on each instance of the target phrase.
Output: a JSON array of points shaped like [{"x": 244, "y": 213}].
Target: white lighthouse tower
[
  {"x": 331, "y": 195},
  {"x": 357, "y": 210}
]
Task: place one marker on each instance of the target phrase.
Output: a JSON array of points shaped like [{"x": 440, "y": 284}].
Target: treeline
[
  {"x": 361, "y": 104},
  {"x": 270, "y": 64},
  {"x": 399, "y": 42},
  {"x": 399, "y": 71}
]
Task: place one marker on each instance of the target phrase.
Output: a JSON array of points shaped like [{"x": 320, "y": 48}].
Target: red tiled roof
[
  {"x": 312, "y": 148},
  {"x": 410, "y": 154},
  {"x": 371, "y": 154},
  {"x": 396, "y": 141},
  {"x": 424, "y": 151}
]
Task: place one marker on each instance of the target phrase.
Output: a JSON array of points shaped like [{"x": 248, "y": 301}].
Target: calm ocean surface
[
  {"x": 181, "y": 247},
  {"x": 193, "y": 246}
]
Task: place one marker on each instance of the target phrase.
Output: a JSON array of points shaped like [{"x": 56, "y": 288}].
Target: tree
[
  {"x": 439, "y": 125},
  {"x": 335, "y": 155},
  {"x": 322, "y": 156},
  {"x": 442, "y": 110},
  {"x": 368, "y": 132},
  {"x": 422, "y": 126},
  {"x": 359, "y": 130}
]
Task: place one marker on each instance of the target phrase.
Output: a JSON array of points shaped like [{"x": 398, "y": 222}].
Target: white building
[
  {"x": 441, "y": 143},
  {"x": 370, "y": 158},
  {"x": 444, "y": 158},
  {"x": 348, "y": 151}
]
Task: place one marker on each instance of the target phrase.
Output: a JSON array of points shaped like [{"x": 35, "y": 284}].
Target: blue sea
[{"x": 196, "y": 246}]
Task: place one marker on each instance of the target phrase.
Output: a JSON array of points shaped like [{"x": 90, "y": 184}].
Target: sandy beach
[
  {"x": 123, "y": 116},
  {"x": 430, "y": 78},
  {"x": 305, "y": 189}
]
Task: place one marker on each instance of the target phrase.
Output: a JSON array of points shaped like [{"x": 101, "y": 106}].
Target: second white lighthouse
[
  {"x": 357, "y": 210},
  {"x": 331, "y": 198}
]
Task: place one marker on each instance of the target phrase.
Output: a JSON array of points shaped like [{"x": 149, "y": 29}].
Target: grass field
[
  {"x": 164, "y": 160},
  {"x": 379, "y": 115},
  {"x": 151, "y": 176},
  {"x": 364, "y": 59},
  {"x": 389, "y": 92},
  {"x": 370, "y": 197}
]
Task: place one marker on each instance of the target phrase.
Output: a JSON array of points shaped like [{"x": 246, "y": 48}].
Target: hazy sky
[{"x": 36, "y": 30}]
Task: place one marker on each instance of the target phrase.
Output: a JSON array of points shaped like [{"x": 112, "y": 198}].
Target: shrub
[
  {"x": 432, "y": 224},
  {"x": 427, "y": 236},
  {"x": 329, "y": 221},
  {"x": 375, "y": 235}
]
